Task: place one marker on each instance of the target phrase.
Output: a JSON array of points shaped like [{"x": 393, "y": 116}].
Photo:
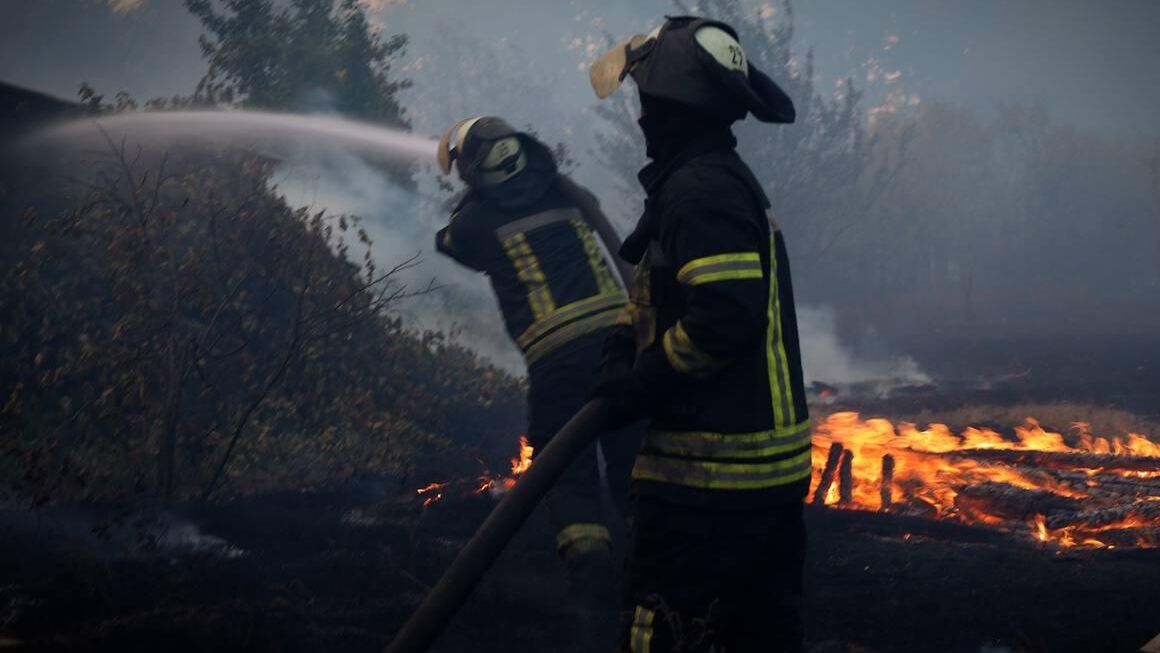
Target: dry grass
[{"x": 1057, "y": 417}]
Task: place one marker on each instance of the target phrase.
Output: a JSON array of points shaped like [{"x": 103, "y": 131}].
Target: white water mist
[{"x": 255, "y": 130}]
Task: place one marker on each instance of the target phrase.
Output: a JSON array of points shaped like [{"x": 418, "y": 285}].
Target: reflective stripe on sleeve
[
  {"x": 721, "y": 267},
  {"x": 685, "y": 356}
]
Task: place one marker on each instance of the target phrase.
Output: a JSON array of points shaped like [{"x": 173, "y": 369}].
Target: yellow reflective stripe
[
  {"x": 534, "y": 222},
  {"x": 729, "y": 445},
  {"x": 641, "y": 633},
  {"x": 529, "y": 272},
  {"x": 596, "y": 262},
  {"x": 684, "y": 355},
  {"x": 772, "y": 335},
  {"x": 625, "y": 316},
  {"x": 721, "y": 267},
  {"x": 571, "y": 332},
  {"x": 722, "y": 476},
  {"x": 783, "y": 399},
  {"x": 725, "y": 275},
  {"x": 573, "y": 533},
  {"x": 569, "y": 312},
  {"x": 585, "y": 547}
]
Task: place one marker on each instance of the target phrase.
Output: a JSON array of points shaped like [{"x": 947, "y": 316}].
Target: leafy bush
[{"x": 181, "y": 331}]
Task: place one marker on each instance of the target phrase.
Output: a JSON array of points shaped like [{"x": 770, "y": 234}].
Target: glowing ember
[
  {"x": 433, "y": 493},
  {"x": 496, "y": 485},
  {"x": 1095, "y": 492}
]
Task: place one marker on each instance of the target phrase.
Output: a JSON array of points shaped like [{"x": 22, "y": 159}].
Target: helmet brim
[
  {"x": 451, "y": 139},
  {"x": 761, "y": 96},
  {"x": 607, "y": 73}
]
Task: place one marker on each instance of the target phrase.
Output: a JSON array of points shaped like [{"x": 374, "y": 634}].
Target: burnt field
[{"x": 341, "y": 568}]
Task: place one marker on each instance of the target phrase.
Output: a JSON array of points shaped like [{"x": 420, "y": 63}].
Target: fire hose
[{"x": 473, "y": 561}]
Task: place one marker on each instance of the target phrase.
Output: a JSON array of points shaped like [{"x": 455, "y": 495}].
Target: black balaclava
[{"x": 669, "y": 125}]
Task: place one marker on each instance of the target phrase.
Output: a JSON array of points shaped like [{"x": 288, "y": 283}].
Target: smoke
[
  {"x": 401, "y": 224},
  {"x": 107, "y": 532},
  {"x": 826, "y": 360}
]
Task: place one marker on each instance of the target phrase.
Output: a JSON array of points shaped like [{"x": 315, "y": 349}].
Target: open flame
[
  {"x": 1085, "y": 490},
  {"x": 431, "y": 493},
  {"x": 496, "y": 485}
]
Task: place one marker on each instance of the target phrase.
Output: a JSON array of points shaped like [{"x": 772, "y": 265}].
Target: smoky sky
[{"x": 1094, "y": 64}]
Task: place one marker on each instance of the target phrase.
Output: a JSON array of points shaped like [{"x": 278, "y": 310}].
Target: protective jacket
[
  {"x": 714, "y": 335},
  {"x": 545, "y": 266}
]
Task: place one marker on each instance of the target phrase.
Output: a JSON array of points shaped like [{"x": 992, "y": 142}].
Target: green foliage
[
  {"x": 183, "y": 330},
  {"x": 268, "y": 55}
]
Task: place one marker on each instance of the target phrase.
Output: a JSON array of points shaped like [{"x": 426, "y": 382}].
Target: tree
[
  {"x": 182, "y": 328},
  {"x": 307, "y": 54}
]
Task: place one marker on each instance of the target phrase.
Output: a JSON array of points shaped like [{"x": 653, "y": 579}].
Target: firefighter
[
  {"x": 712, "y": 359},
  {"x": 533, "y": 232}
]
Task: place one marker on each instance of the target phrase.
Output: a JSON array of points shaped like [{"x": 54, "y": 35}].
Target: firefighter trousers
[
  {"x": 559, "y": 384},
  {"x": 705, "y": 579}
]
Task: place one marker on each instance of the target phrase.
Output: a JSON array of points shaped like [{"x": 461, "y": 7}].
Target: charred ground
[{"x": 343, "y": 567}]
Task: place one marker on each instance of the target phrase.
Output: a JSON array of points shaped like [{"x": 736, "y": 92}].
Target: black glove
[
  {"x": 613, "y": 376},
  {"x": 636, "y": 391},
  {"x": 620, "y": 390}
]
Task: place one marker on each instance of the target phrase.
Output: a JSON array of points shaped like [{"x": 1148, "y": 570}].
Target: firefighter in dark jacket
[
  {"x": 712, "y": 359},
  {"x": 534, "y": 233}
]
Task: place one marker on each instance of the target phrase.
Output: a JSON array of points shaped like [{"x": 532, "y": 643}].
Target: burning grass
[
  {"x": 494, "y": 484},
  {"x": 1071, "y": 487},
  {"x": 1074, "y": 487},
  {"x": 1057, "y": 415}
]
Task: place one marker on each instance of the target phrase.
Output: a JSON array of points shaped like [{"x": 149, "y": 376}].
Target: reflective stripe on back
[
  {"x": 596, "y": 260},
  {"x": 535, "y": 221},
  {"x": 567, "y": 313},
  {"x": 529, "y": 273},
  {"x": 570, "y": 332}
]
